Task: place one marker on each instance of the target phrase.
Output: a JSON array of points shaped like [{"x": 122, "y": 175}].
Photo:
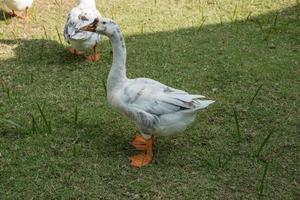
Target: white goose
[
  {"x": 84, "y": 13},
  {"x": 18, "y": 5},
  {"x": 157, "y": 110}
]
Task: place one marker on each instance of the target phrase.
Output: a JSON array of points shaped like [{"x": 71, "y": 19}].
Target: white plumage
[
  {"x": 156, "y": 109},
  {"x": 18, "y": 5},
  {"x": 81, "y": 15}
]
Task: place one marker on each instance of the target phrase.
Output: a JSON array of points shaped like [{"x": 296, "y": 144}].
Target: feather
[{"x": 80, "y": 16}]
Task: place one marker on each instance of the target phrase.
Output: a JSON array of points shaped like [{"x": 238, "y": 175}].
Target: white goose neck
[
  {"x": 87, "y": 3},
  {"x": 117, "y": 74}
]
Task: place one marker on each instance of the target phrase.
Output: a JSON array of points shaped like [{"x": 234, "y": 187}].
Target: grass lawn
[{"x": 59, "y": 138}]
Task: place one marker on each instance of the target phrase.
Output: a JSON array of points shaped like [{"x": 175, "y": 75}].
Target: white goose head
[{"x": 103, "y": 26}]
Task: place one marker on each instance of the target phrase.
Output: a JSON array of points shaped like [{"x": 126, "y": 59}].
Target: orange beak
[{"x": 91, "y": 27}]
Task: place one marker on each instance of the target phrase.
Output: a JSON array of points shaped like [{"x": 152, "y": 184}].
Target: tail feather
[
  {"x": 197, "y": 96},
  {"x": 200, "y": 104}
]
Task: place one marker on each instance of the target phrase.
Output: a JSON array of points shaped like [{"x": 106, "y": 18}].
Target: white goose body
[
  {"x": 17, "y": 5},
  {"x": 156, "y": 109},
  {"x": 82, "y": 14}
]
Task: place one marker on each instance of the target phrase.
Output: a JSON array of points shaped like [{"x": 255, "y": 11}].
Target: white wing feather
[{"x": 151, "y": 99}]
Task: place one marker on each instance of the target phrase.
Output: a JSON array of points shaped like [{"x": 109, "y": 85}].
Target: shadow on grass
[
  {"x": 41, "y": 52},
  {"x": 4, "y": 15}
]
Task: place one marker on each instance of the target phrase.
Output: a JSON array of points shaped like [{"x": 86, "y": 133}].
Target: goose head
[{"x": 103, "y": 26}]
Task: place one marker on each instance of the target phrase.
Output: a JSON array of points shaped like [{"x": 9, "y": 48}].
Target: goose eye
[{"x": 103, "y": 22}]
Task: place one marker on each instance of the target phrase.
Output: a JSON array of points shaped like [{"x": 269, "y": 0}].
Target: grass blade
[
  {"x": 298, "y": 9},
  {"x": 262, "y": 181},
  {"x": 202, "y": 22},
  {"x": 33, "y": 14},
  {"x": 255, "y": 94},
  {"x": 263, "y": 144},
  {"x": 45, "y": 32},
  {"x": 234, "y": 15},
  {"x": 48, "y": 124},
  {"x": 4, "y": 17},
  {"x": 33, "y": 124},
  {"x": 3, "y": 86},
  {"x": 248, "y": 16},
  {"x": 76, "y": 116},
  {"x": 8, "y": 93},
  {"x": 31, "y": 78},
  {"x": 104, "y": 86},
  {"x": 238, "y": 132},
  {"x": 272, "y": 28},
  {"x": 275, "y": 20},
  {"x": 12, "y": 123},
  {"x": 5, "y": 89},
  {"x": 58, "y": 35}
]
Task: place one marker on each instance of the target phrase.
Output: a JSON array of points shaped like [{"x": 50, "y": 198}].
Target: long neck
[
  {"x": 117, "y": 72},
  {"x": 87, "y": 3}
]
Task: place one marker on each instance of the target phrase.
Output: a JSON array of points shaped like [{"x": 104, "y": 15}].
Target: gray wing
[
  {"x": 147, "y": 99},
  {"x": 157, "y": 98}
]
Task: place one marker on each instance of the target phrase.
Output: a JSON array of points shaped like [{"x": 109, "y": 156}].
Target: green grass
[{"x": 59, "y": 139}]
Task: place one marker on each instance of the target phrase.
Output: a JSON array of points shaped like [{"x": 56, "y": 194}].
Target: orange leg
[
  {"x": 75, "y": 52},
  {"x": 139, "y": 143},
  {"x": 146, "y": 156},
  {"x": 14, "y": 14},
  {"x": 26, "y": 16},
  {"x": 95, "y": 56}
]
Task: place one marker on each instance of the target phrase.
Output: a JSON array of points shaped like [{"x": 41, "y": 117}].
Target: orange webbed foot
[
  {"x": 146, "y": 156},
  {"x": 139, "y": 143},
  {"x": 94, "y": 57},
  {"x": 14, "y": 14},
  {"x": 141, "y": 160},
  {"x": 75, "y": 52},
  {"x": 25, "y": 17}
]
